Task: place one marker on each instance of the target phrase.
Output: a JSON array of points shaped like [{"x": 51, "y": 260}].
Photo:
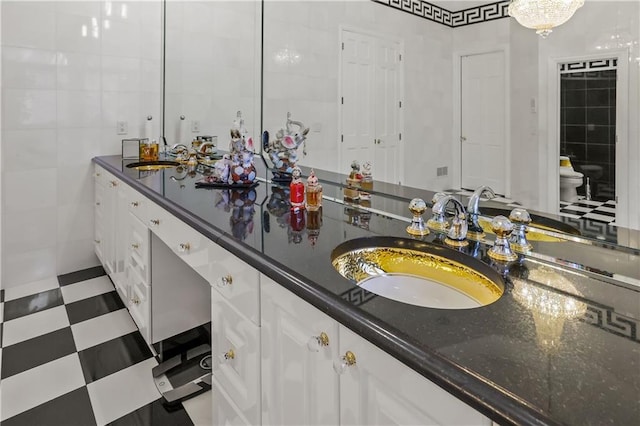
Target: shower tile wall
[{"x": 587, "y": 127}]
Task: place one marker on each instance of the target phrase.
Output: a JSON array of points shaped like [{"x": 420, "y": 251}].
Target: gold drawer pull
[
  {"x": 155, "y": 222},
  {"x": 348, "y": 360},
  {"x": 113, "y": 183},
  {"x": 225, "y": 281},
  {"x": 184, "y": 247},
  {"x": 230, "y": 354},
  {"x": 96, "y": 241},
  {"x": 134, "y": 204},
  {"x": 135, "y": 246},
  {"x": 135, "y": 300},
  {"x": 316, "y": 342}
]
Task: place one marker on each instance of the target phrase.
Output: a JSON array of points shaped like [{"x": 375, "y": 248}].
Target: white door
[
  {"x": 386, "y": 162},
  {"x": 371, "y": 92},
  {"x": 482, "y": 132},
  {"x": 299, "y": 386}
]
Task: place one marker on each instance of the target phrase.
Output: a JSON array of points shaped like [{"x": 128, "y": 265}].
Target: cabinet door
[
  {"x": 380, "y": 390},
  {"x": 235, "y": 349},
  {"x": 99, "y": 216},
  {"x": 299, "y": 385}
]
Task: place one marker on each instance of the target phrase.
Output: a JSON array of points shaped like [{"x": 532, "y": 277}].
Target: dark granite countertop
[{"x": 509, "y": 360}]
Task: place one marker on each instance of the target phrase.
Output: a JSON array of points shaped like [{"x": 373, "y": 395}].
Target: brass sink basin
[
  {"x": 417, "y": 273},
  {"x": 538, "y": 222},
  {"x": 152, "y": 165}
]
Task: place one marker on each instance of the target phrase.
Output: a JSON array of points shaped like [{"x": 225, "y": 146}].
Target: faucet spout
[
  {"x": 457, "y": 234},
  {"x": 475, "y": 230}
]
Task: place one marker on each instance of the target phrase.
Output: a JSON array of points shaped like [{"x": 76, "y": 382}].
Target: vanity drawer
[
  {"x": 140, "y": 303},
  {"x": 138, "y": 258},
  {"x": 235, "y": 349},
  {"x": 188, "y": 244},
  {"x": 138, "y": 205},
  {"x": 237, "y": 282}
]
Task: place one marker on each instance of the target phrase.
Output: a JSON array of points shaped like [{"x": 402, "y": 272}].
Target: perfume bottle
[
  {"x": 366, "y": 184},
  {"x": 313, "y": 192},
  {"x": 296, "y": 190}
]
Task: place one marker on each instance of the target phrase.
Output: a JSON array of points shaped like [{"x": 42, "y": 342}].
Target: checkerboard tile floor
[
  {"x": 598, "y": 211},
  {"x": 70, "y": 354}
]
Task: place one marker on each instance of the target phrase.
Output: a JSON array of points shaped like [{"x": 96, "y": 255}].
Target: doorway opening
[{"x": 588, "y": 138}]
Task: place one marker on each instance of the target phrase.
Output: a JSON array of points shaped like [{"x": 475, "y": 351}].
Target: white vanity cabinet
[
  {"x": 299, "y": 345},
  {"x": 302, "y": 382},
  {"x": 111, "y": 216},
  {"x": 138, "y": 276},
  {"x": 380, "y": 390}
]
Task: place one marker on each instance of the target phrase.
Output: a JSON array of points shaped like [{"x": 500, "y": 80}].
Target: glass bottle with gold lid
[{"x": 313, "y": 192}]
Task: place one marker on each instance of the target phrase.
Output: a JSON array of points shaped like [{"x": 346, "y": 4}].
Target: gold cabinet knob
[
  {"x": 113, "y": 183},
  {"x": 315, "y": 343},
  {"x": 348, "y": 360},
  {"x": 225, "y": 281},
  {"x": 135, "y": 300},
  {"x": 97, "y": 203},
  {"x": 96, "y": 241},
  {"x": 134, "y": 204},
  {"x": 155, "y": 222},
  {"x": 229, "y": 355},
  {"x": 98, "y": 174},
  {"x": 135, "y": 246},
  {"x": 184, "y": 247}
]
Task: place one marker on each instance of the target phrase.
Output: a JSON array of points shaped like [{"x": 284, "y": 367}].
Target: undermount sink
[
  {"x": 417, "y": 273},
  {"x": 539, "y": 222},
  {"x": 153, "y": 165}
]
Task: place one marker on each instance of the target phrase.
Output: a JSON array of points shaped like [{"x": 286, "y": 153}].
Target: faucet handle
[
  {"x": 520, "y": 216},
  {"x": 518, "y": 239},
  {"x": 417, "y": 207},
  {"x": 501, "y": 249}
]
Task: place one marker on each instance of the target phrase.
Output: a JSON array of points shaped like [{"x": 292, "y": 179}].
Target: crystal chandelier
[{"x": 543, "y": 15}]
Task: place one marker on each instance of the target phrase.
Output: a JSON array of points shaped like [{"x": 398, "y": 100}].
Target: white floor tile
[
  {"x": 572, "y": 216},
  {"x": 579, "y": 208},
  {"x": 85, "y": 289},
  {"x": 34, "y": 325},
  {"x": 606, "y": 209},
  {"x": 33, "y": 387},
  {"x": 1, "y": 313},
  {"x": 28, "y": 289},
  {"x": 123, "y": 392},
  {"x": 600, "y": 217},
  {"x": 592, "y": 203},
  {"x": 103, "y": 328},
  {"x": 199, "y": 409}
]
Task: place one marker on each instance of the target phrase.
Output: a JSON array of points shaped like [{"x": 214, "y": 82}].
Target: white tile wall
[
  {"x": 70, "y": 71},
  {"x": 309, "y": 89}
]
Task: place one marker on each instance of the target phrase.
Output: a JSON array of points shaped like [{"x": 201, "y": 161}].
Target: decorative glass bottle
[
  {"x": 313, "y": 192},
  {"x": 296, "y": 190}
]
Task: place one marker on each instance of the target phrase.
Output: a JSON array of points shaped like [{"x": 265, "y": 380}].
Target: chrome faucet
[
  {"x": 475, "y": 230},
  {"x": 457, "y": 234},
  {"x": 179, "y": 150}
]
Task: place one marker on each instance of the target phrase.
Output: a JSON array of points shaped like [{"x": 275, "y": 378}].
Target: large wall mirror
[{"x": 431, "y": 103}]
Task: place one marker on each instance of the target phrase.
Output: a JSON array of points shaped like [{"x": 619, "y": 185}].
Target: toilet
[{"x": 569, "y": 181}]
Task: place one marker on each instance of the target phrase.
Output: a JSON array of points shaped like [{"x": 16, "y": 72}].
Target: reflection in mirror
[
  {"x": 212, "y": 68},
  {"x": 403, "y": 91}
]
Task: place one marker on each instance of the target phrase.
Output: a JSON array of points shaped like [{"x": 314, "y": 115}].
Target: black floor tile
[
  {"x": 2, "y": 295},
  {"x": 181, "y": 343},
  {"x": 92, "y": 307},
  {"x": 85, "y": 274},
  {"x": 71, "y": 409},
  {"x": 31, "y": 304},
  {"x": 109, "y": 357},
  {"x": 155, "y": 414},
  {"x": 596, "y": 211},
  {"x": 571, "y": 211},
  {"x": 37, "y": 351}
]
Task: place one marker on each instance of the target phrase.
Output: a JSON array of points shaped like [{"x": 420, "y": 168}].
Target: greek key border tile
[
  {"x": 589, "y": 65},
  {"x": 452, "y": 19}
]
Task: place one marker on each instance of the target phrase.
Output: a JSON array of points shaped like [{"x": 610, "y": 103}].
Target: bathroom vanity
[{"x": 294, "y": 342}]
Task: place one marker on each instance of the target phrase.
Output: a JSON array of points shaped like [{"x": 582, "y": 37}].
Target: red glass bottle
[{"x": 296, "y": 190}]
